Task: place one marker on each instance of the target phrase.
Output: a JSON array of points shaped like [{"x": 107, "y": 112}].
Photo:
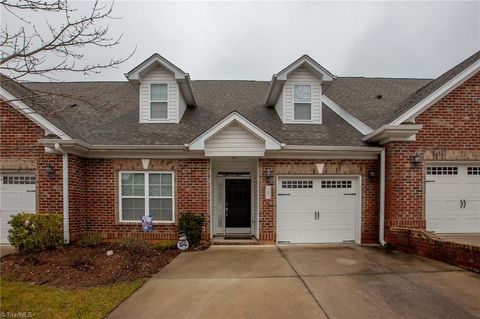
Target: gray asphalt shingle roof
[{"x": 106, "y": 113}]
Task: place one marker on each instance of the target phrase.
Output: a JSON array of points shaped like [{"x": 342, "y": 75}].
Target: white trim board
[
  {"x": 352, "y": 120},
  {"x": 438, "y": 94},
  {"x": 22, "y": 108}
]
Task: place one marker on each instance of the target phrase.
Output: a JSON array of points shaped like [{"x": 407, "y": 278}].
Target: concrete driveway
[{"x": 310, "y": 281}]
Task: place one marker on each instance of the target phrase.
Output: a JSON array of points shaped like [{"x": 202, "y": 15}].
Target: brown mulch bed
[{"x": 73, "y": 267}]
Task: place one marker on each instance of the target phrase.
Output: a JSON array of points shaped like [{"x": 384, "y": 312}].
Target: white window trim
[
  {"x": 150, "y": 102},
  {"x": 146, "y": 196},
  {"x": 311, "y": 103}
]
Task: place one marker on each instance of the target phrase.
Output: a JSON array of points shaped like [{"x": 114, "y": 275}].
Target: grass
[{"x": 51, "y": 302}]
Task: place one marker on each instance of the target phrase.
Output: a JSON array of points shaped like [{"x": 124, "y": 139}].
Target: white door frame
[{"x": 358, "y": 205}]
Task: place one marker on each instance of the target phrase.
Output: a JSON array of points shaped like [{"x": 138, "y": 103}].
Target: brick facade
[
  {"x": 451, "y": 132},
  {"x": 20, "y": 151},
  {"x": 369, "y": 189},
  {"x": 192, "y": 185}
]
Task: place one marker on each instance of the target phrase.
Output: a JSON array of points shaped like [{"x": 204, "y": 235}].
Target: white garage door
[
  {"x": 453, "y": 198},
  {"x": 316, "y": 210},
  {"x": 17, "y": 194}
]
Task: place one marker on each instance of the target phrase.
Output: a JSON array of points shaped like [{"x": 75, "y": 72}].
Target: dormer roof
[
  {"x": 279, "y": 79},
  {"x": 182, "y": 78}
]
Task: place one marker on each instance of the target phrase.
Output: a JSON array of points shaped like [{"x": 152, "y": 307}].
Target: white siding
[
  {"x": 159, "y": 74},
  {"x": 302, "y": 76},
  {"x": 182, "y": 106},
  {"x": 279, "y": 105},
  {"x": 234, "y": 140}
]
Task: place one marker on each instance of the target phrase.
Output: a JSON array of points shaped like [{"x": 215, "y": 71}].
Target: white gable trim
[
  {"x": 434, "y": 97},
  {"x": 156, "y": 58},
  {"x": 31, "y": 114},
  {"x": 270, "y": 142},
  {"x": 352, "y": 120},
  {"x": 305, "y": 59}
]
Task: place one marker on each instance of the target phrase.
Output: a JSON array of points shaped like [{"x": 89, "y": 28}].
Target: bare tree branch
[{"x": 59, "y": 48}]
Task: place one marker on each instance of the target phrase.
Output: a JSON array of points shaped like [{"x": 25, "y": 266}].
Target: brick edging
[{"x": 427, "y": 244}]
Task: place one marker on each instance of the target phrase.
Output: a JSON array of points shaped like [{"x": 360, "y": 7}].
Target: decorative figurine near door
[
  {"x": 147, "y": 223},
  {"x": 182, "y": 241}
]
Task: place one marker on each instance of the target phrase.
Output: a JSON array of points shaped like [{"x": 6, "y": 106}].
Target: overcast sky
[{"x": 251, "y": 40}]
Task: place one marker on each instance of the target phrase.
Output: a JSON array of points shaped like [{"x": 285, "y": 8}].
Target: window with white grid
[
  {"x": 442, "y": 170},
  {"x": 297, "y": 184},
  {"x": 336, "y": 184},
  {"x": 18, "y": 180}
]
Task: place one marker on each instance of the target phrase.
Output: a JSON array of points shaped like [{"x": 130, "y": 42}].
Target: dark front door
[{"x": 237, "y": 203}]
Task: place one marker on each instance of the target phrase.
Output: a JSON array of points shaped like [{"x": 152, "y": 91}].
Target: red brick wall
[
  {"x": 192, "y": 187},
  {"x": 370, "y": 188},
  {"x": 428, "y": 245},
  {"x": 77, "y": 200},
  {"x": 19, "y": 150},
  {"x": 451, "y": 131}
]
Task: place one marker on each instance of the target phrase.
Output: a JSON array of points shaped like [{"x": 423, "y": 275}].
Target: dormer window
[
  {"x": 302, "y": 102},
  {"x": 158, "y": 101}
]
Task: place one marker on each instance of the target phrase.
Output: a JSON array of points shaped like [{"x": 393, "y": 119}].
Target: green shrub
[
  {"x": 90, "y": 240},
  {"x": 30, "y": 232},
  {"x": 135, "y": 248},
  {"x": 191, "y": 224},
  {"x": 165, "y": 245}
]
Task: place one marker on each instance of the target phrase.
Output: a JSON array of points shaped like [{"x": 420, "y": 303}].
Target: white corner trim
[
  {"x": 434, "y": 97},
  {"x": 270, "y": 142},
  {"x": 31, "y": 114},
  {"x": 352, "y": 120}
]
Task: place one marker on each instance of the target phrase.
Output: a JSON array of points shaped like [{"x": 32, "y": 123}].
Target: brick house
[{"x": 307, "y": 157}]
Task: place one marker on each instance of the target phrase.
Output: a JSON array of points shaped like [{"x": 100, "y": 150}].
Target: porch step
[{"x": 242, "y": 241}]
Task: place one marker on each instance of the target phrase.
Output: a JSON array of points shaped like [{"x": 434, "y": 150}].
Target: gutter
[
  {"x": 333, "y": 148},
  {"x": 66, "y": 204},
  {"x": 88, "y": 146},
  {"x": 381, "y": 231}
]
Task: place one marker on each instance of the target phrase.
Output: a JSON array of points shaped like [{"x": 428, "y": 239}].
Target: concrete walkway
[{"x": 317, "y": 281}]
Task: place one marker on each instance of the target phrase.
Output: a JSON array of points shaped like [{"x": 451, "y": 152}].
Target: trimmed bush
[
  {"x": 165, "y": 245},
  {"x": 191, "y": 224},
  {"x": 30, "y": 232},
  {"x": 90, "y": 240},
  {"x": 136, "y": 248}
]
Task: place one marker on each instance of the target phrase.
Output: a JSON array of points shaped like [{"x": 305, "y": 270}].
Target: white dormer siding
[
  {"x": 285, "y": 102},
  {"x": 176, "y": 103},
  {"x": 234, "y": 140}
]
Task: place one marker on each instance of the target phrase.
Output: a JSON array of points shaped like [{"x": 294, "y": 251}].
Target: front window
[
  {"x": 146, "y": 193},
  {"x": 158, "y": 101},
  {"x": 302, "y": 102}
]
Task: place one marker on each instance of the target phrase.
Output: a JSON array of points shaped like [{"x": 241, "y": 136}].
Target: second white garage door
[
  {"x": 453, "y": 198},
  {"x": 317, "y": 210}
]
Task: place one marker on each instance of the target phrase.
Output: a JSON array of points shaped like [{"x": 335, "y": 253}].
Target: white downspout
[
  {"x": 66, "y": 206},
  {"x": 382, "y": 199}
]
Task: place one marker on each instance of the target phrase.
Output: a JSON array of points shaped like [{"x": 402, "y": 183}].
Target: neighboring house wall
[
  {"x": 369, "y": 189},
  {"x": 20, "y": 151},
  {"x": 192, "y": 187},
  {"x": 159, "y": 74},
  {"x": 451, "y": 132},
  {"x": 302, "y": 76}
]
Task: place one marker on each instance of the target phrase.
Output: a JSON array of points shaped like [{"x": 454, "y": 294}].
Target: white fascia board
[
  {"x": 327, "y": 76},
  {"x": 270, "y": 142},
  {"x": 389, "y": 133},
  {"x": 22, "y": 108},
  {"x": 352, "y": 120},
  {"x": 431, "y": 99},
  {"x": 156, "y": 58}
]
